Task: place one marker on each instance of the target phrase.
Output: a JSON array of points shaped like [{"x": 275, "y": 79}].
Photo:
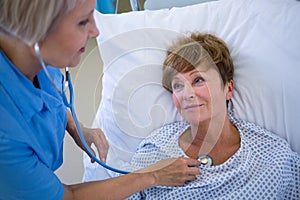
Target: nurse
[{"x": 33, "y": 118}]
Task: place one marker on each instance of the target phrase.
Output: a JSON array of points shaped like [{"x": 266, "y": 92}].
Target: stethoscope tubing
[
  {"x": 87, "y": 149},
  {"x": 70, "y": 105}
]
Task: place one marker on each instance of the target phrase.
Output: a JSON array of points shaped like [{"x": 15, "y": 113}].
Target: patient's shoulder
[
  {"x": 166, "y": 133},
  {"x": 173, "y": 128},
  {"x": 170, "y": 130},
  {"x": 262, "y": 140}
]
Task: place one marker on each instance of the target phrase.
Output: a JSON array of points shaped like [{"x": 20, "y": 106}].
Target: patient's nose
[{"x": 188, "y": 92}]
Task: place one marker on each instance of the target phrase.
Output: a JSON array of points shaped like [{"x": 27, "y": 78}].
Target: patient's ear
[{"x": 229, "y": 86}]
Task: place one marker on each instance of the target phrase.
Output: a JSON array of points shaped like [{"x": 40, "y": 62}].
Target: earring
[{"x": 230, "y": 105}]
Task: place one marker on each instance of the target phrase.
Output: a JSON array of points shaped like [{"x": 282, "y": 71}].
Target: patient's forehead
[{"x": 203, "y": 69}]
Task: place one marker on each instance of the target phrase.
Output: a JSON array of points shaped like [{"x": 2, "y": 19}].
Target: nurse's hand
[
  {"x": 96, "y": 137},
  {"x": 173, "y": 171},
  {"x": 92, "y": 136}
]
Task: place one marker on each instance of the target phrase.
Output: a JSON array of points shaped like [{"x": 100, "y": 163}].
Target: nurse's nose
[{"x": 93, "y": 31}]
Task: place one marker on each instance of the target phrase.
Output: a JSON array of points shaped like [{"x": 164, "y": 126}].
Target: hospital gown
[{"x": 264, "y": 167}]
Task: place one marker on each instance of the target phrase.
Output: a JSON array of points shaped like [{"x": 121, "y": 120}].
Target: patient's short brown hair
[{"x": 188, "y": 52}]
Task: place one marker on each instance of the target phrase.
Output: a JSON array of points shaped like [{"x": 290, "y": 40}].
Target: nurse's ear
[{"x": 229, "y": 89}]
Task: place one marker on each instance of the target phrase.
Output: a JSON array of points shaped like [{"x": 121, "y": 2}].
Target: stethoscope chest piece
[{"x": 205, "y": 160}]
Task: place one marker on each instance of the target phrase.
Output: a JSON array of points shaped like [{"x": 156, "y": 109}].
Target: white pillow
[{"x": 263, "y": 36}]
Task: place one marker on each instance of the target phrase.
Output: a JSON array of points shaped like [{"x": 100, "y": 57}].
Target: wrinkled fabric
[{"x": 264, "y": 167}]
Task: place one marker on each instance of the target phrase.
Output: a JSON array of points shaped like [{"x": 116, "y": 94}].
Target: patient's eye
[
  {"x": 176, "y": 86},
  {"x": 198, "y": 81}
]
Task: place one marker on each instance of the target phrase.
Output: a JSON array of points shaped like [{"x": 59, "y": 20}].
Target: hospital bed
[{"x": 263, "y": 37}]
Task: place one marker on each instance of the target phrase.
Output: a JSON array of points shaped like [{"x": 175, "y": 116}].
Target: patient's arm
[{"x": 95, "y": 136}]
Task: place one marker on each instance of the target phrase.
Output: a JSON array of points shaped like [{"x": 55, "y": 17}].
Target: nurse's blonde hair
[{"x": 30, "y": 20}]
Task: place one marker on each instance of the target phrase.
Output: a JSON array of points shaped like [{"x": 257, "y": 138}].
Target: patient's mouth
[{"x": 192, "y": 106}]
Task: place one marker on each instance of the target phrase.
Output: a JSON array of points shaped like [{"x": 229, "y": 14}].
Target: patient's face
[{"x": 199, "y": 94}]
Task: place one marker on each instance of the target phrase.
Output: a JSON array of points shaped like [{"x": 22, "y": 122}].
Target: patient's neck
[{"x": 220, "y": 142}]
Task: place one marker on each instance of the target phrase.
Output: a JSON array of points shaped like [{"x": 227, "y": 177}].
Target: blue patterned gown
[{"x": 264, "y": 167}]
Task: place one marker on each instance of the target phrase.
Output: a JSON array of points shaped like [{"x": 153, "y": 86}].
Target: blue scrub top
[{"x": 32, "y": 128}]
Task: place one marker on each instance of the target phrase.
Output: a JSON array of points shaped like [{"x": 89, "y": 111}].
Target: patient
[{"x": 239, "y": 159}]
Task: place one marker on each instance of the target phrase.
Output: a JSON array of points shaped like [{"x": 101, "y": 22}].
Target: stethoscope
[{"x": 70, "y": 105}]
